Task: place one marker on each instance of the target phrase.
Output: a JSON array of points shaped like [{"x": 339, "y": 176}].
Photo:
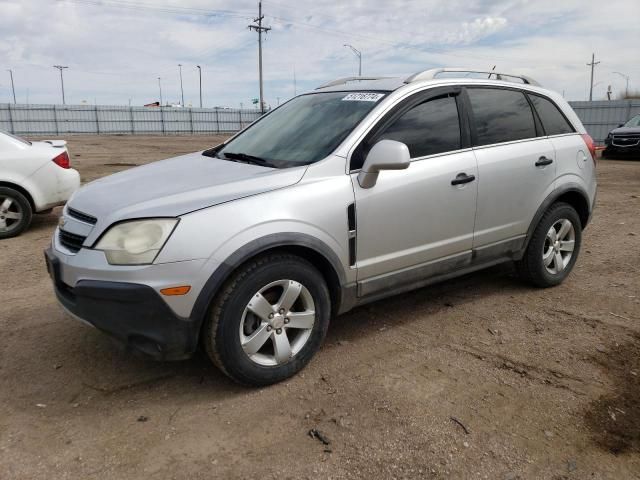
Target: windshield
[
  {"x": 634, "y": 122},
  {"x": 302, "y": 131}
]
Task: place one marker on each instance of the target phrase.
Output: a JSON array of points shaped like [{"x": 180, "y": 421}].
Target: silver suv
[{"x": 360, "y": 189}]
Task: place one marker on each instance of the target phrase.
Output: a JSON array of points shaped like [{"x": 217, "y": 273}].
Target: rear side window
[
  {"x": 428, "y": 128},
  {"x": 553, "y": 121},
  {"x": 501, "y": 115}
]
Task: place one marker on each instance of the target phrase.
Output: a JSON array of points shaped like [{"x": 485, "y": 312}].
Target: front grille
[
  {"x": 70, "y": 241},
  {"x": 83, "y": 217},
  {"x": 628, "y": 140}
]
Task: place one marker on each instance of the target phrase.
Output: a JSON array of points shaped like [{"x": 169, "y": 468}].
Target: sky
[{"x": 117, "y": 49}]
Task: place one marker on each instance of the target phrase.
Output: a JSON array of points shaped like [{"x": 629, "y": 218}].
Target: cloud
[{"x": 117, "y": 49}]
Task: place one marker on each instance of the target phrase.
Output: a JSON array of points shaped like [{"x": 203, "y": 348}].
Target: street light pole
[
  {"x": 61, "y": 67},
  {"x": 358, "y": 53},
  {"x": 13, "y": 88},
  {"x": 181, "y": 89},
  {"x": 160, "y": 87},
  {"x": 200, "y": 75},
  {"x": 626, "y": 77}
]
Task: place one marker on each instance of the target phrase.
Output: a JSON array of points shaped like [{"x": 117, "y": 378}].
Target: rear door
[
  {"x": 516, "y": 165},
  {"x": 414, "y": 223},
  {"x": 568, "y": 144}
]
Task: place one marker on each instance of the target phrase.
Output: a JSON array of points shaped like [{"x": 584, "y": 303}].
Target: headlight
[{"x": 136, "y": 242}]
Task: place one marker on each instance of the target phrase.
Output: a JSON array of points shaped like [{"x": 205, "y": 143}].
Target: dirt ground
[{"x": 480, "y": 377}]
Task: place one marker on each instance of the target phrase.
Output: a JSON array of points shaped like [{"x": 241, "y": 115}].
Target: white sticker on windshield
[{"x": 363, "y": 97}]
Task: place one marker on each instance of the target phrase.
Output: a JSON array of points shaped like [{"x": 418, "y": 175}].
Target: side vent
[{"x": 351, "y": 221}]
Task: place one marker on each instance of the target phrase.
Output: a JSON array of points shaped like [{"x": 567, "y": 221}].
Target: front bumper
[{"x": 134, "y": 314}]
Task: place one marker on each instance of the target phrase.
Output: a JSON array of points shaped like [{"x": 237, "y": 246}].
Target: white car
[{"x": 34, "y": 178}]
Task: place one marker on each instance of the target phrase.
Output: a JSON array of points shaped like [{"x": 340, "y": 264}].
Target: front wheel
[
  {"x": 554, "y": 246},
  {"x": 15, "y": 213},
  {"x": 268, "y": 320}
]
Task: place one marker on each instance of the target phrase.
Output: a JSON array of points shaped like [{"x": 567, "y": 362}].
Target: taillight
[
  {"x": 590, "y": 145},
  {"x": 62, "y": 160}
]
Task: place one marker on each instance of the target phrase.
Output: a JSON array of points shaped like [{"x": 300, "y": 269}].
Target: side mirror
[
  {"x": 621, "y": 125},
  {"x": 385, "y": 155}
]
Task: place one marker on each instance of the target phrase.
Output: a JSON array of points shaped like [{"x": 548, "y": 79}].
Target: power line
[
  {"x": 257, "y": 26},
  {"x": 130, "y": 5}
]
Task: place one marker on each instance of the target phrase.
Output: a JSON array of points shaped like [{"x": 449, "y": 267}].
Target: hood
[
  {"x": 623, "y": 130},
  {"x": 173, "y": 187}
]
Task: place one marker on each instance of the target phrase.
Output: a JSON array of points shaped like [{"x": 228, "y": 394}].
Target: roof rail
[
  {"x": 341, "y": 81},
  {"x": 434, "y": 72}
]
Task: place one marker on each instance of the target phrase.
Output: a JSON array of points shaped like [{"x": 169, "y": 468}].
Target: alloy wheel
[
  {"x": 558, "y": 246},
  {"x": 10, "y": 214},
  {"x": 277, "y": 322}
]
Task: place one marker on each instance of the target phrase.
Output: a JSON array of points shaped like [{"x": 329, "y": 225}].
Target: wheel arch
[
  {"x": 574, "y": 195},
  {"x": 304, "y": 246},
  {"x": 22, "y": 190}
]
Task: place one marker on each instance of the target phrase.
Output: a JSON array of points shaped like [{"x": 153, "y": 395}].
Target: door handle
[
  {"x": 543, "y": 161},
  {"x": 462, "y": 178}
]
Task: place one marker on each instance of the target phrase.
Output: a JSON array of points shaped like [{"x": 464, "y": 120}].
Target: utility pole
[
  {"x": 61, "y": 67},
  {"x": 592, "y": 65},
  {"x": 358, "y": 54},
  {"x": 260, "y": 29},
  {"x": 626, "y": 77},
  {"x": 181, "y": 89},
  {"x": 13, "y": 88},
  {"x": 160, "y": 87},
  {"x": 200, "y": 75}
]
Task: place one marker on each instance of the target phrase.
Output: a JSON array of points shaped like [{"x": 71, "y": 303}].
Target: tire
[
  {"x": 533, "y": 266},
  {"x": 15, "y": 213},
  {"x": 260, "y": 286}
]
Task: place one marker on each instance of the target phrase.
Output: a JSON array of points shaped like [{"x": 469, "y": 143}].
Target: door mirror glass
[{"x": 384, "y": 155}]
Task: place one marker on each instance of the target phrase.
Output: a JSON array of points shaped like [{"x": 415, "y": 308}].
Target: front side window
[
  {"x": 552, "y": 119},
  {"x": 501, "y": 115},
  {"x": 302, "y": 131},
  {"x": 429, "y": 128}
]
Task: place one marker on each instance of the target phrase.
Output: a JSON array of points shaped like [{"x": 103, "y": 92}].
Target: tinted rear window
[
  {"x": 428, "y": 128},
  {"x": 552, "y": 119},
  {"x": 501, "y": 115}
]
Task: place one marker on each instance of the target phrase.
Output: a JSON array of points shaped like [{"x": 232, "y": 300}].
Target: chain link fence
[
  {"x": 102, "y": 119},
  {"x": 598, "y": 117}
]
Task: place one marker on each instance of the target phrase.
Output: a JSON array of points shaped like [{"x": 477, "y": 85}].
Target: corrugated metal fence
[
  {"x": 103, "y": 119},
  {"x": 598, "y": 117}
]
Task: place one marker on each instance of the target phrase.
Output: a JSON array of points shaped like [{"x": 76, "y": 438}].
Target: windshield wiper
[{"x": 245, "y": 157}]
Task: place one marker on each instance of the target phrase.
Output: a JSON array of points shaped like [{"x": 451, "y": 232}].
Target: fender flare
[
  {"x": 253, "y": 248},
  {"x": 551, "y": 198}
]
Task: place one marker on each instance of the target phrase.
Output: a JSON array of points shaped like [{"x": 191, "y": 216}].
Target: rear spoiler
[{"x": 56, "y": 143}]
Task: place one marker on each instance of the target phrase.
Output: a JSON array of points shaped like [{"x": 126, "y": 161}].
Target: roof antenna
[{"x": 489, "y": 77}]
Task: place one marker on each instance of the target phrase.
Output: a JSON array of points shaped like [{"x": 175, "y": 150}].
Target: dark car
[{"x": 624, "y": 140}]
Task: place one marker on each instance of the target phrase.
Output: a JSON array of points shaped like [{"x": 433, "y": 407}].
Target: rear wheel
[
  {"x": 554, "y": 247},
  {"x": 15, "y": 213},
  {"x": 269, "y": 320}
]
